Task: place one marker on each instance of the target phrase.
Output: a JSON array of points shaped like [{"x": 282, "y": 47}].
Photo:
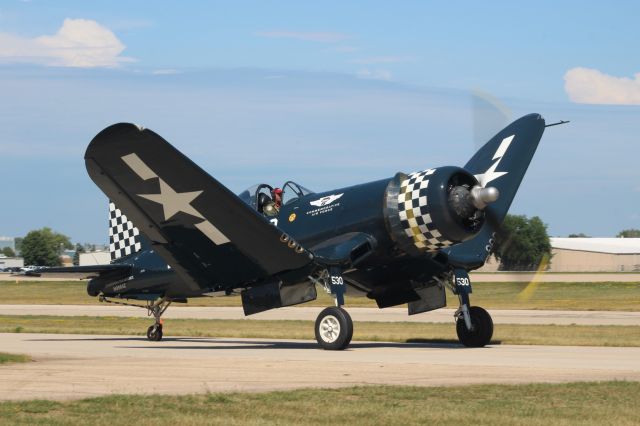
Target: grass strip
[
  {"x": 6, "y": 358},
  {"x": 560, "y": 295},
  {"x": 496, "y": 405},
  {"x": 512, "y": 334}
]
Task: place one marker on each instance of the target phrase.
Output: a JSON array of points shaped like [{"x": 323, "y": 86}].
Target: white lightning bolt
[{"x": 491, "y": 174}]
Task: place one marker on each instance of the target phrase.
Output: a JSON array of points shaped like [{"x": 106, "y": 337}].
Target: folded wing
[{"x": 204, "y": 231}]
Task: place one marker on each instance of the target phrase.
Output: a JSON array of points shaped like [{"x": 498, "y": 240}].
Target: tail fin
[
  {"x": 503, "y": 161},
  {"x": 124, "y": 237},
  {"x": 500, "y": 163}
]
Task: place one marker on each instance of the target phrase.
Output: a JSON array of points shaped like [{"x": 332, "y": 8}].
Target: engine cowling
[{"x": 435, "y": 208}]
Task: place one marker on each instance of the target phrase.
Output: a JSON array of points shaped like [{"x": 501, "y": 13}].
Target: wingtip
[{"x": 108, "y": 133}]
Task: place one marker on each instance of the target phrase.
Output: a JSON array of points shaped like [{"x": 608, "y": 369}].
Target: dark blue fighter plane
[{"x": 396, "y": 240}]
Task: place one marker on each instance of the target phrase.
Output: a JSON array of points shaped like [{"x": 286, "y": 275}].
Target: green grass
[
  {"x": 6, "y": 358},
  {"x": 514, "y": 334},
  {"x": 561, "y": 295},
  {"x": 604, "y": 403}
]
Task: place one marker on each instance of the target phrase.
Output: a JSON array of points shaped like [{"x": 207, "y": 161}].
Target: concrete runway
[
  {"x": 79, "y": 366},
  {"x": 358, "y": 314}
]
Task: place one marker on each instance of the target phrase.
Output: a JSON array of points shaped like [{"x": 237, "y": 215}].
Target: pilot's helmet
[{"x": 277, "y": 191}]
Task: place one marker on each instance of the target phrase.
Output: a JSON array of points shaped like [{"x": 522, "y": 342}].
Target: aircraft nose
[{"x": 484, "y": 196}]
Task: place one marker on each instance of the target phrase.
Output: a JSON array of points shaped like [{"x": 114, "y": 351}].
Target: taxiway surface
[
  {"x": 79, "y": 366},
  {"x": 500, "y": 316}
]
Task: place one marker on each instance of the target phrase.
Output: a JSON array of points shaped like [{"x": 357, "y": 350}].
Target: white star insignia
[{"x": 174, "y": 202}]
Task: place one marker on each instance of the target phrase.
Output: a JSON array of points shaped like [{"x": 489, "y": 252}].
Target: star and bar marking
[{"x": 173, "y": 202}]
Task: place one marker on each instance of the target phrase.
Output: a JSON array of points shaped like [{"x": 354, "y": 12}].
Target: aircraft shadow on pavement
[{"x": 217, "y": 344}]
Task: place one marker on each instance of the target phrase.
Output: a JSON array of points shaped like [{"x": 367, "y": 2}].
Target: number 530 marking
[
  {"x": 463, "y": 281},
  {"x": 337, "y": 281}
]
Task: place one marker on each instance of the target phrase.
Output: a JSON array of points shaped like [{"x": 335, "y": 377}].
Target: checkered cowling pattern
[
  {"x": 124, "y": 238},
  {"x": 415, "y": 217}
]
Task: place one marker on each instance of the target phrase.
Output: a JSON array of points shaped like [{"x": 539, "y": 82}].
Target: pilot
[
  {"x": 270, "y": 206},
  {"x": 277, "y": 198}
]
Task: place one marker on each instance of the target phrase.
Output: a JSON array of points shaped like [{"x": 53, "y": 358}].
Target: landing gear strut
[
  {"x": 334, "y": 327},
  {"x": 154, "y": 332},
  {"x": 474, "y": 325},
  {"x": 156, "y": 308}
]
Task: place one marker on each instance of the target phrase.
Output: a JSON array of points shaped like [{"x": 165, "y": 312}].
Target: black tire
[
  {"x": 154, "y": 333},
  {"x": 334, "y": 329},
  {"x": 482, "y": 328}
]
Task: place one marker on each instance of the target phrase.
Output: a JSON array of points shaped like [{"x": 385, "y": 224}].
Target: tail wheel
[
  {"x": 154, "y": 333},
  {"x": 482, "y": 329},
  {"x": 334, "y": 328}
]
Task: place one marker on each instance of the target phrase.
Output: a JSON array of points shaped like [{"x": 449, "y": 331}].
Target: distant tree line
[
  {"x": 629, "y": 233},
  {"x": 43, "y": 247},
  {"x": 522, "y": 244}
]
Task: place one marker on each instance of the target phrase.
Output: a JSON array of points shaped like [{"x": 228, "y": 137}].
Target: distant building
[
  {"x": 588, "y": 255},
  {"x": 595, "y": 254},
  {"x": 95, "y": 258},
  {"x": 11, "y": 262}
]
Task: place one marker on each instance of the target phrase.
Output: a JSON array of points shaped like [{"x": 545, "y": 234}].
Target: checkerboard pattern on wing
[
  {"x": 413, "y": 207},
  {"x": 124, "y": 237}
]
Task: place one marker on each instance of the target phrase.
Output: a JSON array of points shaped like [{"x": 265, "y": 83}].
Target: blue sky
[{"x": 329, "y": 94}]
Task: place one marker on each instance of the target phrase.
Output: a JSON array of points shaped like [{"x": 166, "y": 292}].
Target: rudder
[
  {"x": 124, "y": 236},
  {"x": 501, "y": 163}
]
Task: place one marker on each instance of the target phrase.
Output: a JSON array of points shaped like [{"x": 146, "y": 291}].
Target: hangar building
[
  {"x": 595, "y": 255},
  {"x": 11, "y": 262},
  {"x": 588, "y": 255},
  {"x": 95, "y": 258}
]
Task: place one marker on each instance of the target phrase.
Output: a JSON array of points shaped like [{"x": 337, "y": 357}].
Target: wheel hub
[{"x": 329, "y": 328}]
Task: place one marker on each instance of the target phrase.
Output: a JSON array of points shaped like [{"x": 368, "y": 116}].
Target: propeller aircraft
[{"x": 178, "y": 233}]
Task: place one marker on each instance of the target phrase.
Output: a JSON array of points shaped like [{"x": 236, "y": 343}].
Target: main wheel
[
  {"x": 334, "y": 329},
  {"x": 154, "y": 333},
  {"x": 482, "y": 328}
]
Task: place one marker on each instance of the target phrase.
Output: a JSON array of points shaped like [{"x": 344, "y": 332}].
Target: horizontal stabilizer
[{"x": 82, "y": 272}]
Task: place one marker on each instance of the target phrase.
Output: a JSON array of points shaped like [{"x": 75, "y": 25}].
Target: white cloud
[
  {"x": 590, "y": 86},
  {"x": 79, "y": 43},
  {"x": 383, "y": 59},
  {"x": 323, "y": 37},
  {"x": 377, "y": 74}
]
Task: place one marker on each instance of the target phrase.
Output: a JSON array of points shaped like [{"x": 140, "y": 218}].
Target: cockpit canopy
[{"x": 291, "y": 191}]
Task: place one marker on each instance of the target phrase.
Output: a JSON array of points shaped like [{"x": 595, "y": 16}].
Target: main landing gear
[
  {"x": 474, "y": 325},
  {"x": 334, "y": 327},
  {"x": 154, "y": 332},
  {"x": 156, "y": 308}
]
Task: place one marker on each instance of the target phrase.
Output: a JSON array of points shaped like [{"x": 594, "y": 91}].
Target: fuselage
[
  {"x": 309, "y": 220},
  {"x": 317, "y": 217}
]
